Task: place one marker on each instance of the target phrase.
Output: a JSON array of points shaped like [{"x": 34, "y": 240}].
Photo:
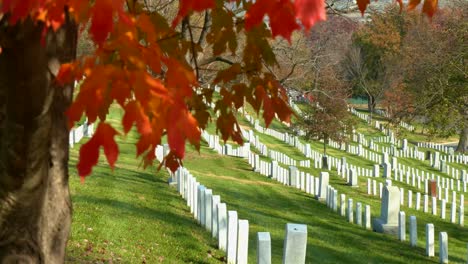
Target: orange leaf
[
  {"x": 413, "y": 4},
  {"x": 135, "y": 114},
  {"x": 310, "y": 11},
  {"x": 429, "y": 7},
  {"x": 89, "y": 152},
  {"x": 66, "y": 74}
]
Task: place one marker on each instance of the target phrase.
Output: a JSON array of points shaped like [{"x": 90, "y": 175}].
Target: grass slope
[{"x": 130, "y": 215}]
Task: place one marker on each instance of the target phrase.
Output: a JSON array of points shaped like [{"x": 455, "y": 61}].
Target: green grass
[
  {"x": 131, "y": 215},
  {"x": 458, "y": 236},
  {"x": 269, "y": 205}
]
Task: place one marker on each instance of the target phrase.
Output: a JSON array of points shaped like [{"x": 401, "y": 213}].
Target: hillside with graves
[{"x": 277, "y": 198}]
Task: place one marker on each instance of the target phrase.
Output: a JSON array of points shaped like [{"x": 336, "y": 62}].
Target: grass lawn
[{"x": 131, "y": 215}]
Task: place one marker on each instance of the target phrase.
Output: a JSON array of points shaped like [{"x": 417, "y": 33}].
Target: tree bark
[
  {"x": 463, "y": 142},
  {"x": 35, "y": 205},
  {"x": 370, "y": 106}
]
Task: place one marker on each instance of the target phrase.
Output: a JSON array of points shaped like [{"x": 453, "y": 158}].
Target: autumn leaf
[
  {"x": 310, "y": 12},
  {"x": 135, "y": 114},
  {"x": 429, "y": 7},
  {"x": 362, "y": 5},
  {"x": 413, "y": 4},
  {"x": 89, "y": 152},
  {"x": 65, "y": 74},
  {"x": 281, "y": 16},
  {"x": 101, "y": 20}
]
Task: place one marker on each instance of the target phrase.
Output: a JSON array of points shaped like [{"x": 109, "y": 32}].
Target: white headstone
[
  {"x": 208, "y": 209},
  {"x": 323, "y": 184},
  {"x": 232, "y": 225},
  {"x": 242, "y": 241},
  {"x": 443, "y": 247},
  {"x": 376, "y": 170},
  {"x": 413, "y": 231},
  {"x": 295, "y": 244},
  {"x": 263, "y": 248},
  {"x": 222, "y": 226},
  {"x": 215, "y": 200},
  {"x": 388, "y": 221},
  {"x": 367, "y": 219},
  {"x": 430, "y": 240},
  {"x": 359, "y": 214},
  {"x": 201, "y": 205},
  {"x": 350, "y": 211},
  {"x": 402, "y": 226},
  {"x": 342, "y": 204}
]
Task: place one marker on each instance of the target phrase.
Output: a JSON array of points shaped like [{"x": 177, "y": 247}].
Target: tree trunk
[
  {"x": 35, "y": 205},
  {"x": 325, "y": 146},
  {"x": 370, "y": 106},
  {"x": 463, "y": 143}
]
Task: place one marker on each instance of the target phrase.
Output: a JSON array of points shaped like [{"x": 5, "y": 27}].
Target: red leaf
[
  {"x": 65, "y": 74},
  {"x": 101, "y": 20},
  {"x": 256, "y": 12},
  {"x": 429, "y": 7},
  {"x": 282, "y": 19},
  {"x": 135, "y": 114},
  {"x": 362, "y": 4},
  {"x": 181, "y": 126},
  {"x": 281, "y": 14},
  {"x": 186, "y": 6},
  {"x": 310, "y": 11},
  {"x": 89, "y": 152}
]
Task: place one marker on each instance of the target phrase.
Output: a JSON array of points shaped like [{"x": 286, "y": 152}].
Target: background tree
[
  {"x": 374, "y": 45},
  {"x": 435, "y": 72},
  {"x": 327, "y": 116}
]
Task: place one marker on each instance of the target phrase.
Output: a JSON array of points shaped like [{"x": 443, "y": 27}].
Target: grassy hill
[{"x": 131, "y": 215}]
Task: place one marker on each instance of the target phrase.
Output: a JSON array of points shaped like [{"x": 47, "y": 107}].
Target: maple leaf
[
  {"x": 66, "y": 73},
  {"x": 413, "y": 4},
  {"x": 89, "y": 152},
  {"x": 429, "y": 7},
  {"x": 181, "y": 126},
  {"x": 310, "y": 12},
  {"x": 281, "y": 14},
  {"x": 282, "y": 19},
  {"x": 135, "y": 114},
  {"x": 101, "y": 20},
  {"x": 256, "y": 12},
  {"x": 362, "y": 5}
]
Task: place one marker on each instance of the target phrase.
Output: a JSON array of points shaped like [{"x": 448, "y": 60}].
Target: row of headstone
[
  {"x": 387, "y": 171},
  {"x": 331, "y": 197},
  {"x": 227, "y": 149},
  {"x": 76, "y": 134},
  {"x": 233, "y": 233},
  {"x": 345, "y": 208},
  {"x": 393, "y": 221},
  {"x": 414, "y": 177}
]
